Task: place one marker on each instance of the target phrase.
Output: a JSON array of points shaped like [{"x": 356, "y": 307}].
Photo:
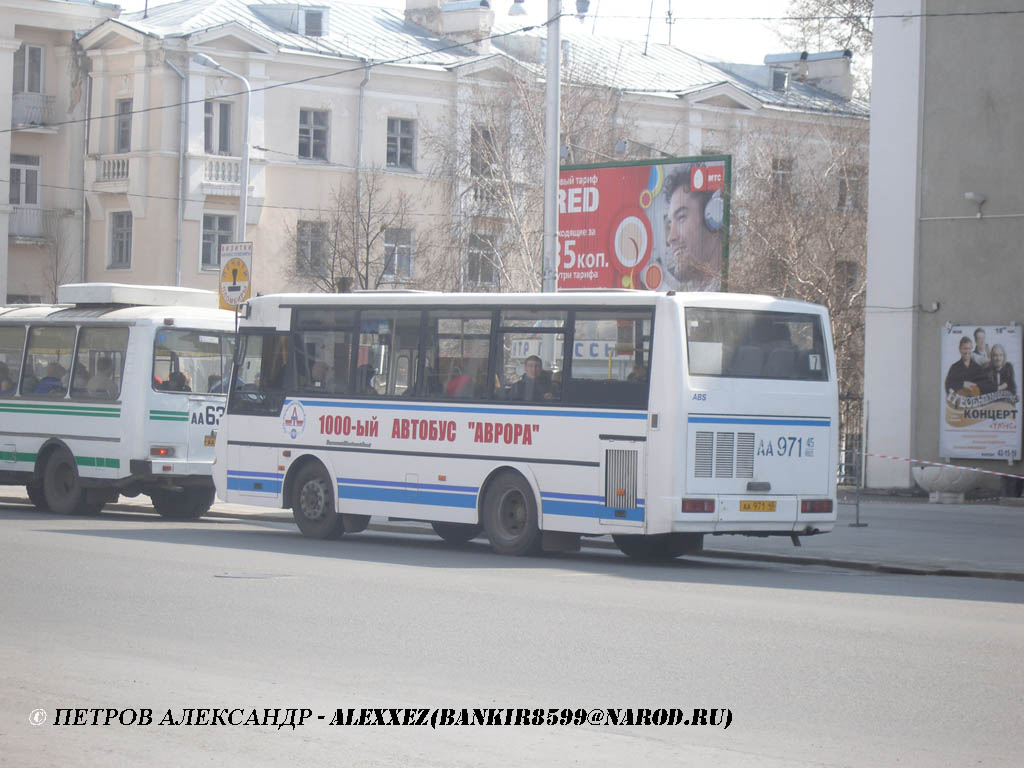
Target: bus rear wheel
[
  {"x": 37, "y": 497},
  {"x": 62, "y": 487},
  {"x": 189, "y": 504},
  {"x": 510, "y": 516},
  {"x": 313, "y": 504},
  {"x": 457, "y": 533},
  {"x": 662, "y": 546}
]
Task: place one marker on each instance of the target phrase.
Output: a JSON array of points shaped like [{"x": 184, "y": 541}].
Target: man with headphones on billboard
[{"x": 694, "y": 232}]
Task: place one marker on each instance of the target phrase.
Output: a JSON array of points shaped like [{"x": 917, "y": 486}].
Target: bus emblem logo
[{"x": 294, "y": 419}]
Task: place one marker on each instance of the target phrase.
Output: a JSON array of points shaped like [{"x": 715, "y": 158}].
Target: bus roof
[
  {"x": 135, "y": 295},
  {"x": 184, "y": 316},
  {"x": 264, "y": 308}
]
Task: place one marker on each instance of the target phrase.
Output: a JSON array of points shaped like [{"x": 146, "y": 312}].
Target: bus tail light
[
  {"x": 162, "y": 451},
  {"x": 699, "y": 505},
  {"x": 816, "y": 507}
]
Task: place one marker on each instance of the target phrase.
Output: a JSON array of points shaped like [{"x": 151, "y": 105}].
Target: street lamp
[
  {"x": 549, "y": 264},
  {"x": 243, "y": 172}
]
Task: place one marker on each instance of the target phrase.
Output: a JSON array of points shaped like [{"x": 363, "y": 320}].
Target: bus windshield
[{"x": 755, "y": 344}]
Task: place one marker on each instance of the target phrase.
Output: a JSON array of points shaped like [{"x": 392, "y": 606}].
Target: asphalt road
[{"x": 818, "y": 666}]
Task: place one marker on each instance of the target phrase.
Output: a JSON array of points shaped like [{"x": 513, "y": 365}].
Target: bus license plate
[
  {"x": 757, "y": 506},
  {"x": 209, "y": 441}
]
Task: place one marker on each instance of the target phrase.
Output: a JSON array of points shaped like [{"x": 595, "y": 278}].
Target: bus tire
[
  {"x": 189, "y": 504},
  {"x": 313, "y": 503},
  {"x": 457, "y": 533},
  {"x": 37, "y": 497},
  {"x": 662, "y": 546},
  {"x": 355, "y": 523},
  {"x": 62, "y": 487},
  {"x": 510, "y": 516}
]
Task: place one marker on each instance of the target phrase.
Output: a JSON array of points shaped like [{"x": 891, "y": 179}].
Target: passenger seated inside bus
[
  {"x": 460, "y": 383},
  {"x": 102, "y": 383},
  {"x": 535, "y": 384},
  {"x": 177, "y": 382},
  {"x": 6, "y": 384},
  {"x": 52, "y": 383},
  {"x": 364, "y": 380}
]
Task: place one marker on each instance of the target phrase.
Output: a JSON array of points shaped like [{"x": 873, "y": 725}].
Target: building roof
[{"x": 379, "y": 34}]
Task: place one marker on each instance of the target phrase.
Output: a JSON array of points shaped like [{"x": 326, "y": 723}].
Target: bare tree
[
  {"x": 58, "y": 267},
  {"x": 489, "y": 157},
  {"x": 799, "y": 215},
  {"x": 364, "y": 239}
]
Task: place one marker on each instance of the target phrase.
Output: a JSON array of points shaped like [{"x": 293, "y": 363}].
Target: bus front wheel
[
  {"x": 662, "y": 546},
  {"x": 313, "y": 504},
  {"x": 457, "y": 533},
  {"x": 510, "y": 516},
  {"x": 62, "y": 487},
  {"x": 189, "y": 504}
]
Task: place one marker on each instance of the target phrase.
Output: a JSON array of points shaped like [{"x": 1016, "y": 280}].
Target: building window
[
  {"x": 851, "y": 188},
  {"x": 313, "y": 24},
  {"x": 780, "y": 80},
  {"x": 481, "y": 262},
  {"x": 483, "y": 153},
  {"x": 217, "y": 128},
  {"x": 28, "y": 69},
  {"x": 311, "y": 247},
  {"x": 401, "y": 135},
  {"x": 24, "y": 180},
  {"x": 123, "y": 140},
  {"x": 397, "y": 255},
  {"x": 782, "y": 175},
  {"x": 120, "y": 240},
  {"x": 216, "y": 230},
  {"x": 313, "y": 127}
]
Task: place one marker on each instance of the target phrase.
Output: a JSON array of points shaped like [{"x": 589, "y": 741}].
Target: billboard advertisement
[
  {"x": 980, "y": 393},
  {"x": 657, "y": 225}
]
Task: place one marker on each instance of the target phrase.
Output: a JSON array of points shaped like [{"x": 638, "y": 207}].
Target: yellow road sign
[{"x": 235, "y": 274}]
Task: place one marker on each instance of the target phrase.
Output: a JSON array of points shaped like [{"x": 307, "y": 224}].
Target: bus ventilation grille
[
  {"x": 620, "y": 475},
  {"x": 724, "y": 454}
]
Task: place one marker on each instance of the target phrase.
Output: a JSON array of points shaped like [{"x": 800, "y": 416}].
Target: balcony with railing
[
  {"x": 221, "y": 175},
  {"x": 113, "y": 168},
  {"x": 32, "y": 223},
  {"x": 32, "y": 111}
]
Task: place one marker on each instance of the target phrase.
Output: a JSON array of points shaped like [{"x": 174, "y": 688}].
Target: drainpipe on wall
[
  {"x": 359, "y": 168},
  {"x": 84, "y": 256},
  {"x": 182, "y": 146}
]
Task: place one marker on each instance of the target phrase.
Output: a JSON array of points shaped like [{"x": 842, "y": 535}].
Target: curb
[{"x": 714, "y": 554}]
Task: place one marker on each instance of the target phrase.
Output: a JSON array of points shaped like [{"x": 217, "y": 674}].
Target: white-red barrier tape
[{"x": 940, "y": 464}]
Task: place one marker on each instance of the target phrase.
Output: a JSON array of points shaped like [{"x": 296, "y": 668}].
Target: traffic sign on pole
[{"x": 235, "y": 274}]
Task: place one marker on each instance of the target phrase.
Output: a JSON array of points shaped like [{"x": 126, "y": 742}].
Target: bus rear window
[
  {"x": 752, "y": 344},
  {"x": 191, "y": 361}
]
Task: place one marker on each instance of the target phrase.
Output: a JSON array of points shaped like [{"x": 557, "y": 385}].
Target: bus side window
[
  {"x": 99, "y": 363},
  {"x": 49, "y": 352},
  {"x": 12, "y": 345},
  {"x": 260, "y": 371}
]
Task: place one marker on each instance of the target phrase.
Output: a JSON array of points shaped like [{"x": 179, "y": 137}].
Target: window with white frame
[
  {"x": 481, "y": 262},
  {"x": 851, "y": 188},
  {"x": 401, "y": 138},
  {"x": 311, "y": 247},
  {"x": 120, "y": 240},
  {"x": 313, "y": 23},
  {"x": 217, "y": 229},
  {"x": 314, "y": 126},
  {"x": 123, "y": 126},
  {"x": 24, "y": 180},
  {"x": 782, "y": 175},
  {"x": 217, "y": 127},
  {"x": 28, "y": 69},
  {"x": 397, "y": 255}
]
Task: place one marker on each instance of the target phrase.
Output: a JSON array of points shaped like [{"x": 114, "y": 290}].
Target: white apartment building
[
  {"x": 336, "y": 87},
  {"x": 42, "y": 105}
]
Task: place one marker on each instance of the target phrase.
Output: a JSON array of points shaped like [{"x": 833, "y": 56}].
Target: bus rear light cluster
[
  {"x": 164, "y": 452},
  {"x": 816, "y": 507},
  {"x": 699, "y": 505}
]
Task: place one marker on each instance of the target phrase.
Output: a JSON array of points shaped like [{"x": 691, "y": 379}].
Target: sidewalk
[{"x": 984, "y": 540}]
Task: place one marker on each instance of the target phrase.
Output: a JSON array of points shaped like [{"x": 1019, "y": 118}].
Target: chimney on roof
[
  {"x": 829, "y": 71},
  {"x": 468, "y": 21},
  {"x": 424, "y": 13}
]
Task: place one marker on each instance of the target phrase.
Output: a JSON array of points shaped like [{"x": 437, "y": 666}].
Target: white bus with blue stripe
[{"x": 536, "y": 419}]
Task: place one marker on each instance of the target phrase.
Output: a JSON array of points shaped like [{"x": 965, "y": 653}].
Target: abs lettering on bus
[
  {"x": 504, "y": 432},
  {"x": 431, "y": 430}
]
